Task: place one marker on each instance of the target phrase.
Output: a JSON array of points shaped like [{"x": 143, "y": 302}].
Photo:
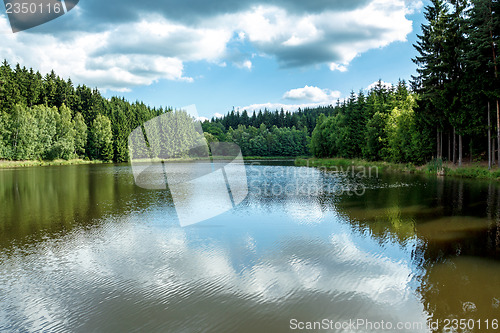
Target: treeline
[
  {"x": 261, "y": 141},
  {"x": 48, "y": 118},
  {"x": 379, "y": 125},
  {"x": 301, "y": 118}
]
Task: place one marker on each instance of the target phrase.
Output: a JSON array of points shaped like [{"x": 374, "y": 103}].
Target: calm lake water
[{"x": 83, "y": 249}]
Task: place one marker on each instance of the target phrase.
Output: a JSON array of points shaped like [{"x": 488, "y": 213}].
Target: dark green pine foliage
[
  {"x": 432, "y": 68},
  {"x": 480, "y": 77}
]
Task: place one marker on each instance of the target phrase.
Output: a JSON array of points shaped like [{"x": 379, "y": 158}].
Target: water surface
[{"x": 82, "y": 249}]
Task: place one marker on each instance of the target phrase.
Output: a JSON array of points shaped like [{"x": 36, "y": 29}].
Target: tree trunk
[
  {"x": 498, "y": 132},
  {"x": 493, "y": 160},
  {"x": 489, "y": 137},
  {"x": 449, "y": 145},
  {"x": 441, "y": 144},
  {"x": 470, "y": 149},
  {"x": 454, "y": 147},
  {"x": 496, "y": 77},
  {"x": 459, "y": 150},
  {"x": 437, "y": 143}
]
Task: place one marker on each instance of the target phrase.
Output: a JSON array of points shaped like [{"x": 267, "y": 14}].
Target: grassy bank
[
  {"x": 472, "y": 171},
  {"x": 344, "y": 164},
  {"x": 27, "y": 163},
  {"x": 19, "y": 164},
  {"x": 437, "y": 168},
  {"x": 269, "y": 157}
]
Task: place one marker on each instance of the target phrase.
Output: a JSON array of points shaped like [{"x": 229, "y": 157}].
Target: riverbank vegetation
[
  {"x": 30, "y": 163},
  {"x": 434, "y": 167}
]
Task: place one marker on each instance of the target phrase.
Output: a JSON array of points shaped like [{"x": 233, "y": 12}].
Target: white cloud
[
  {"x": 80, "y": 58},
  {"x": 138, "y": 47},
  {"x": 241, "y": 36},
  {"x": 386, "y": 85},
  {"x": 218, "y": 115},
  {"x": 337, "y": 67},
  {"x": 247, "y": 64},
  {"x": 310, "y": 96},
  {"x": 279, "y": 106},
  {"x": 313, "y": 94}
]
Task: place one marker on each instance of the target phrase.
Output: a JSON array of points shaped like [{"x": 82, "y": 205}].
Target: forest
[
  {"x": 448, "y": 111},
  {"x": 46, "y": 118}
]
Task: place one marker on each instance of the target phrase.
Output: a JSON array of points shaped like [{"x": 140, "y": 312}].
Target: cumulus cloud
[
  {"x": 306, "y": 97},
  {"x": 337, "y": 67},
  {"x": 118, "y": 45},
  {"x": 313, "y": 94},
  {"x": 247, "y": 64},
  {"x": 279, "y": 106},
  {"x": 384, "y": 84},
  {"x": 81, "y": 58}
]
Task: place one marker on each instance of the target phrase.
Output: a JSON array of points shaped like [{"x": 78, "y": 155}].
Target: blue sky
[{"x": 223, "y": 54}]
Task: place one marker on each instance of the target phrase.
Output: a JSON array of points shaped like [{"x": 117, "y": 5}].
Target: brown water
[{"x": 83, "y": 249}]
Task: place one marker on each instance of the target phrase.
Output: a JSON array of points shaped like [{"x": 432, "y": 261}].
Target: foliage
[
  {"x": 101, "y": 138},
  {"x": 270, "y": 142},
  {"x": 45, "y": 117},
  {"x": 382, "y": 126}
]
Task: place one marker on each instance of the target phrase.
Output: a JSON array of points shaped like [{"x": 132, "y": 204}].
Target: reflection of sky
[{"x": 285, "y": 251}]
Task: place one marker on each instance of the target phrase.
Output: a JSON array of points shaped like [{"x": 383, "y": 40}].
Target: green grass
[
  {"x": 191, "y": 159},
  {"x": 346, "y": 163},
  {"x": 435, "y": 167},
  {"x": 473, "y": 172},
  {"x": 269, "y": 157},
  {"x": 31, "y": 163},
  {"x": 18, "y": 164}
]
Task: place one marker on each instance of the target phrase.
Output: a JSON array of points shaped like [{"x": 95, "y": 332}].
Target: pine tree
[{"x": 432, "y": 68}]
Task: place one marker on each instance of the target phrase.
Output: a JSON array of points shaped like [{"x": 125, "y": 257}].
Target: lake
[{"x": 83, "y": 249}]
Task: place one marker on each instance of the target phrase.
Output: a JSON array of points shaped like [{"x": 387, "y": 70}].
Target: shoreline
[
  {"x": 6, "y": 164},
  {"x": 438, "y": 169},
  {"x": 443, "y": 169}
]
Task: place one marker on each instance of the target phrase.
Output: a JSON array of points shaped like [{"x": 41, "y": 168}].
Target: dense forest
[
  {"x": 46, "y": 117},
  {"x": 449, "y": 110}
]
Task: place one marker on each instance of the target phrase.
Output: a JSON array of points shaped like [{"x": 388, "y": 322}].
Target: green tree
[
  {"x": 432, "y": 68},
  {"x": 46, "y": 124},
  {"x": 80, "y": 134},
  {"x": 64, "y": 141},
  {"x": 24, "y": 131},
  {"x": 101, "y": 139}
]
